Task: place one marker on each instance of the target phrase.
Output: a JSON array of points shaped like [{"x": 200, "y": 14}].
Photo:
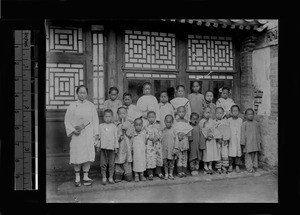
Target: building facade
[{"x": 240, "y": 54}]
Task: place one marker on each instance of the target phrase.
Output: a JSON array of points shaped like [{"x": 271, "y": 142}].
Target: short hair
[
  {"x": 127, "y": 94},
  {"x": 194, "y": 114},
  {"x": 121, "y": 108},
  {"x": 147, "y": 83},
  {"x": 78, "y": 88},
  {"x": 169, "y": 116},
  {"x": 164, "y": 92},
  {"x": 137, "y": 119},
  {"x": 196, "y": 81},
  {"x": 207, "y": 107},
  {"x": 151, "y": 112},
  {"x": 113, "y": 89},
  {"x": 181, "y": 107},
  {"x": 209, "y": 91},
  {"x": 108, "y": 111},
  {"x": 220, "y": 109},
  {"x": 235, "y": 106},
  {"x": 249, "y": 109},
  {"x": 225, "y": 88},
  {"x": 180, "y": 86}
]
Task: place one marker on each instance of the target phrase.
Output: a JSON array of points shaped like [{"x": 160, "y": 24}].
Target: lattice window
[
  {"x": 210, "y": 77},
  {"x": 98, "y": 74},
  {"x": 61, "y": 83},
  {"x": 142, "y": 75},
  {"x": 210, "y": 53},
  {"x": 153, "y": 50},
  {"x": 64, "y": 39}
]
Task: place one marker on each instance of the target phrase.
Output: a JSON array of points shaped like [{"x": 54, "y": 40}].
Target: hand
[
  {"x": 121, "y": 138},
  {"x": 123, "y": 127},
  {"x": 116, "y": 151},
  {"x": 76, "y": 132},
  {"x": 97, "y": 148}
]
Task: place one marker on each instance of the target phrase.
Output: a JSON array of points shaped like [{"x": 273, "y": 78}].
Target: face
[
  {"x": 164, "y": 98},
  {"x": 224, "y": 94},
  {"x": 168, "y": 122},
  {"x": 250, "y": 115},
  {"x": 127, "y": 100},
  {"x": 207, "y": 113},
  {"x": 196, "y": 87},
  {"x": 122, "y": 113},
  {"x": 219, "y": 113},
  {"x": 138, "y": 125},
  {"x": 209, "y": 96},
  {"x": 180, "y": 92},
  {"x": 113, "y": 95},
  {"x": 107, "y": 117},
  {"x": 82, "y": 94},
  {"x": 147, "y": 90},
  {"x": 235, "y": 112},
  {"x": 181, "y": 112},
  {"x": 194, "y": 119},
  {"x": 151, "y": 118}
]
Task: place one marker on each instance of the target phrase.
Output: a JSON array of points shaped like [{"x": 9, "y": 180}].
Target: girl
[
  {"x": 196, "y": 99},
  {"x": 170, "y": 146},
  {"x": 113, "y": 103},
  {"x": 197, "y": 144},
  {"x": 132, "y": 110},
  {"x": 209, "y": 96},
  {"x": 222, "y": 142},
  {"x": 123, "y": 160},
  {"x": 154, "y": 158},
  {"x": 183, "y": 129},
  {"x": 82, "y": 122},
  {"x": 225, "y": 102},
  {"x": 165, "y": 108},
  {"x": 210, "y": 154},
  {"x": 235, "y": 152},
  {"x": 108, "y": 145},
  {"x": 251, "y": 140},
  {"x": 180, "y": 100},
  {"x": 148, "y": 103},
  {"x": 139, "y": 139}
]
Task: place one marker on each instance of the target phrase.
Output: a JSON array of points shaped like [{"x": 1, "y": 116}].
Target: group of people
[{"x": 156, "y": 138}]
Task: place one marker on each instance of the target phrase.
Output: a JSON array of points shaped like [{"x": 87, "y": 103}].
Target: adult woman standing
[{"x": 82, "y": 122}]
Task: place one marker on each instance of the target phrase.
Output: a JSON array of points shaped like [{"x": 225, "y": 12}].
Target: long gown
[
  {"x": 148, "y": 103},
  {"x": 139, "y": 151},
  {"x": 234, "y": 147},
  {"x": 197, "y": 103},
  {"x": 82, "y": 146},
  {"x": 165, "y": 109},
  {"x": 154, "y": 149}
]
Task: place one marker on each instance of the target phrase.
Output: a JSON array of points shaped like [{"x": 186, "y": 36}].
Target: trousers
[
  {"x": 251, "y": 160},
  {"x": 107, "y": 158}
]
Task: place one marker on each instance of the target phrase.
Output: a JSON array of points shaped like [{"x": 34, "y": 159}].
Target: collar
[{"x": 81, "y": 101}]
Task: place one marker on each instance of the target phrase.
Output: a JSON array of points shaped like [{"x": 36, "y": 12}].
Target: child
[
  {"x": 196, "y": 99},
  {"x": 234, "y": 148},
  {"x": 123, "y": 160},
  {"x": 132, "y": 110},
  {"x": 180, "y": 100},
  {"x": 139, "y": 139},
  {"x": 197, "y": 144},
  {"x": 113, "y": 103},
  {"x": 222, "y": 142},
  {"x": 225, "y": 102},
  {"x": 108, "y": 145},
  {"x": 147, "y": 103},
  {"x": 251, "y": 140},
  {"x": 154, "y": 158},
  {"x": 170, "y": 146},
  {"x": 209, "y": 96},
  {"x": 165, "y": 108},
  {"x": 210, "y": 154},
  {"x": 183, "y": 129}
]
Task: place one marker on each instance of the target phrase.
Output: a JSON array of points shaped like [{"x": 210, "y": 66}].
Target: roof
[{"x": 247, "y": 24}]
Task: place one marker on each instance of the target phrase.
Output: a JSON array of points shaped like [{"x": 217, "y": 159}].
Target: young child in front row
[
  {"x": 170, "y": 146},
  {"x": 234, "y": 148},
  {"x": 183, "y": 129},
  {"x": 113, "y": 103},
  {"x": 139, "y": 139},
  {"x": 132, "y": 110},
  {"x": 222, "y": 143},
  {"x": 180, "y": 100},
  {"x": 225, "y": 102},
  {"x": 154, "y": 160},
  {"x": 251, "y": 141},
  {"x": 123, "y": 159},
  {"x": 210, "y": 154},
  {"x": 165, "y": 108},
  {"x": 197, "y": 144},
  {"x": 108, "y": 145}
]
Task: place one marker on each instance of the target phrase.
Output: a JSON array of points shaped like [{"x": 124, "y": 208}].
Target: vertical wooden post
[
  {"x": 119, "y": 63},
  {"x": 89, "y": 62},
  {"x": 182, "y": 60}
]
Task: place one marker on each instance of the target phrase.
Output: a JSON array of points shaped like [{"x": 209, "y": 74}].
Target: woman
[{"x": 81, "y": 121}]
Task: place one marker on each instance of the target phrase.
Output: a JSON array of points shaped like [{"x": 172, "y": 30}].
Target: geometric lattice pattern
[
  {"x": 153, "y": 50},
  {"x": 148, "y": 75},
  {"x": 61, "y": 83},
  {"x": 210, "y": 77},
  {"x": 64, "y": 39},
  {"x": 210, "y": 53},
  {"x": 98, "y": 74}
]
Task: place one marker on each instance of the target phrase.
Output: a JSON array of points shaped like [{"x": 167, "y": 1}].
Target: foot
[
  {"x": 250, "y": 170},
  {"x": 142, "y": 177},
  {"x": 230, "y": 169},
  {"x": 219, "y": 171},
  {"x": 104, "y": 180},
  {"x": 237, "y": 169},
  {"x": 117, "y": 180},
  {"x": 211, "y": 171},
  {"x": 166, "y": 176},
  {"x": 136, "y": 178},
  {"x": 150, "y": 177},
  {"x": 161, "y": 176},
  {"x": 111, "y": 181},
  {"x": 77, "y": 183},
  {"x": 206, "y": 171},
  {"x": 194, "y": 173},
  {"x": 171, "y": 177},
  {"x": 183, "y": 174},
  {"x": 180, "y": 175}
]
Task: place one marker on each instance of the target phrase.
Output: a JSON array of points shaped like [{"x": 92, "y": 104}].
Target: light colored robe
[
  {"x": 139, "y": 151},
  {"x": 112, "y": 105},
  {"x": 108, "y": 136},
  {"x": 132, "y": 112},
  {"x": 148, "y": 103},
  {"x": 235, "y": 137},
  {"x": 225, "y": 104},
  {"x": 165, "y": 109},
  {"x": 82, "y": 146}
]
